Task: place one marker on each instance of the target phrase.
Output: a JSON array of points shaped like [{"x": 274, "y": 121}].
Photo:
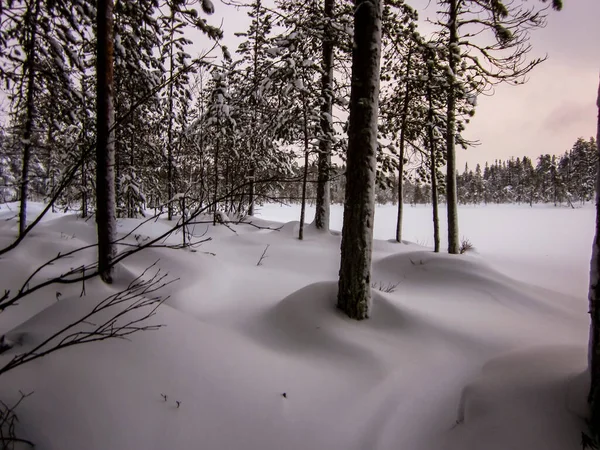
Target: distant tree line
[{"x": 568, "y": 179}]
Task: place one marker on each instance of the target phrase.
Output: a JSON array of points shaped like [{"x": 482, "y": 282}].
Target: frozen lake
[{"x": 544, "y": 245}]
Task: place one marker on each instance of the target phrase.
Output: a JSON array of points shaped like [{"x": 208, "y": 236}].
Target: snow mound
[
  {"x": 454, "y": 274},
  {"x": 524, "y": 400},
  {"x": 307, "y": 322}
]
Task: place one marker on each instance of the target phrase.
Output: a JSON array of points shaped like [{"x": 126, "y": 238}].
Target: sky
[{"x": 548, "y": 113}]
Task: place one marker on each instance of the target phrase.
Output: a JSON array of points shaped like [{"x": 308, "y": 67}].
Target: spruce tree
[{"x": 37, "y": 50}]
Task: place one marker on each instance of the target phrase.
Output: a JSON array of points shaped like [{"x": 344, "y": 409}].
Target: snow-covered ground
[
  {"x": 478, "y": 351},
  {"x": 543, "y": 245}
]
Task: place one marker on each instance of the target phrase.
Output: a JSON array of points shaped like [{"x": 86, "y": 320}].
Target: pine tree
[
  {"x": 468, "y": 60},
  {"x": 137, "y": 74},
  {"x": 219, "y": 123},
  {"x": 105, "y": 146},
  {"x": 296, "y": 75},
  {"x": 401, "y": 54},
  {"x": 256, "y": 120},
  {"x": 432, "y": 141},
  {"x": 180, "y": 16},
  {"x": 354, "y": 289},
  {"x": 322, "y": 210}
]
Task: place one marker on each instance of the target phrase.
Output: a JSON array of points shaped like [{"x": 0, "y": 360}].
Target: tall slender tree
[
  {"x": 401, "y": 43},
  {"x": 433, "y": 148},
  {"x": 487, "y": 43},
  {"x": 323, "y": 201},
  {"x": 33, "y": 10},
  {"x": 594, "y": 300}
]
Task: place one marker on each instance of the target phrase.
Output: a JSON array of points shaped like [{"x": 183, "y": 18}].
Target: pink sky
[
  {"x": 547, "y": 114},
  {"x": 557, "y": 105}
]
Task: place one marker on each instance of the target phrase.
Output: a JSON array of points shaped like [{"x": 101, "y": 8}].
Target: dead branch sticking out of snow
[
  {"x": 263, "y": 256},
  {"x": 117, "y": 316},
  {"x": 8, "y": 420}
]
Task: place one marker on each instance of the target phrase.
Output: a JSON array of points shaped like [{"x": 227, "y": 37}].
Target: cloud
[{"x": 567, "y": 116}]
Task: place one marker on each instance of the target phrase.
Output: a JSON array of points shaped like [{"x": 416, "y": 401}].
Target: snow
[
  {"x": 543, "y": 245},
  {"x": 484, "y": 350}
]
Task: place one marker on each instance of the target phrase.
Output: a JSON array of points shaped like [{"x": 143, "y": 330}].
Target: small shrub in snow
[
  {"x": 465, "y": 246},
  {"x": 588, "y": 442},
  {"x": 8, "y": 421},
  {"x": 385, "y": 287}
]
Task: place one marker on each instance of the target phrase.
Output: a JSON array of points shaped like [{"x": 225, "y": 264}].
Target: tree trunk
[
  {"x": 254, "y": 98},
  {"x": 29, "y": 66},
  {"x": 85, "y": 124},
  {"x": 227, "y": 183},
  {"x": 401, "y": 152},
  {"x": 105, "y": 145},
  {"x": 400, "y": 193},
  {"x": 130, "y": 199},
  {"x": 433, "y": 168},
  {"x": 594, "y": 300},
  {"x": 216, "y": 175},
  {"x": 251, "y": 193},
  {"x": 183, "y": 219},
  {"x": 84, "y": 197},
  {"x": 434, "y": 202},
  {"x": 434, "y": 195},
  {"x": 304, "y": 176},
  {"x": 323, "y": 202},
  {"x": 203, "y": 171},
  {"x": 170, "y": 125},
  {"x": 451, "y": 194},
  {"x": 354, "y": 289}
]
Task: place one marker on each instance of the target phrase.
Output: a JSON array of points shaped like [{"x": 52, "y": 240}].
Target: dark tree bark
[
  {"x": 323, "y": 201},
  {"x": 216, "y": 174},
  {"x": 401, "y": 150},
  {"x": 354, "y": 289},
  {"x": 253, "y": 138},
  {"x": 305, "y": 174},
  {"x": 29, "y": 66},
  {"x": 251, "y": 193},
  {"x": 105, "y": 144},
  {"x": 451, "y": 194},
  {"x": 433, "y": 167},
  {"x": 434, "y": 196},
  {"x": 170, "y": 124},
  {"x": 594, "y": 299},
  {"x": 130, "y": 200},
  {"x": 85, "y": 124}
]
